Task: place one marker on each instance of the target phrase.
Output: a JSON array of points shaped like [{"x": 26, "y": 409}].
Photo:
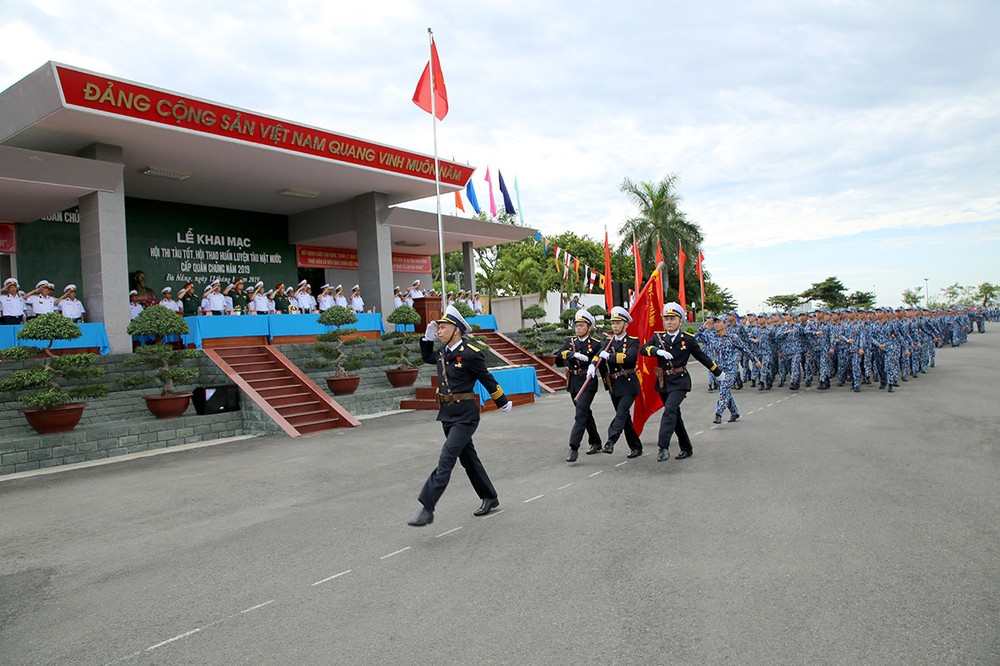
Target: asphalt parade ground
[{"x": 822, "y": 528}]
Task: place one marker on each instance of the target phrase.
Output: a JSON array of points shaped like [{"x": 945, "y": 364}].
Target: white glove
[
  {"x": 432, "y": 332},
  {"x": 721, "y": 376},
  {"x": 664, "y": 353},
  {"x": 604, "y": 354},
  {"x": 506, "y": 408},
  {"x": 591, "y": 371},
  {"x": 581, "y": 357}
]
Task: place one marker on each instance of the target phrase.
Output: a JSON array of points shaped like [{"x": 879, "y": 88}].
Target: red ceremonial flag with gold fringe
[
  {"x": 645, "y": 321},
  {"x": 681, "y": 258}
]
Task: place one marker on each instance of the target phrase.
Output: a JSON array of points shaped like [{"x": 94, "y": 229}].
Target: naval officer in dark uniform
[
  {"x": 619, "y": 357},
  {"x": 672, "y": 350},
  {"x": 459, "y": 365},
  {"x": 575, "y": 355}
]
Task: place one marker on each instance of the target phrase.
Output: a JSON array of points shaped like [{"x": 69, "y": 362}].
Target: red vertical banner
[
  {"x": 609, "y": 298},
  {"x": 659, "y": 254},
  {"x": 681, "y": 258},
  {"x": 646, "y": 321},
  {"x": 701, "y": 276}
]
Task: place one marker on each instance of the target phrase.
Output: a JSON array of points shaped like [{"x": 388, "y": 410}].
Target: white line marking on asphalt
[
  {"x": 566, "y": 486},
  {"x": 175, "y": 638},
  {"x": 597, "y": 472},
  {"x": 454, "y": 529},
  {"x": 493, "y": 513},
  {"x": 325, "y": 580},
  {"x": 624, "y": 462},
  {"x": 770, "y": 404},
  {"x": 533, "y": 498},
  {"x": 401, "y": 550},
  {"x": 713, "y": 427},
  {"x": 266, "y": 603},
  {"x": 698, "y": 433}
]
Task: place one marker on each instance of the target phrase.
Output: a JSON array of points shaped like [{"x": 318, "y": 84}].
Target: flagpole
[{"x": 437, "y": 171}]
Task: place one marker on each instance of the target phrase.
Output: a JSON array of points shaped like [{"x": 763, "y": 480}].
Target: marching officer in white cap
[
  {"x": 576, "y": 355},
  {"x": 620, "y": 356},
  {"x": 459, "y": 365},
  {"x": 672, "y": 349}
]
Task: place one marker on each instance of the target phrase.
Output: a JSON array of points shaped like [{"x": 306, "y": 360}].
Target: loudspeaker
[{"x": 215, "y": 399}]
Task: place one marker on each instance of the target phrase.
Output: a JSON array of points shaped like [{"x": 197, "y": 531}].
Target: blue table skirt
[
  {"x": 271, "y": 326},
  {"x": 94, "y": 335},
  {"x": 513, "y": 380},
  {"x": 488, "y": 322}
]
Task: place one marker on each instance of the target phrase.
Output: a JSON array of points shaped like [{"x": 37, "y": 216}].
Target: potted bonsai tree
[
  {"x": 158, "y": 322},
  {"x": 396, "y": 347},
  {"x": 52, "y": 408},
  {"x": 532, "y": 338},
  {"x": 331, "y": 346}
]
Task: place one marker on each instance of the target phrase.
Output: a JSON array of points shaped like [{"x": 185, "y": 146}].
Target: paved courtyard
[{"x": 822, "y": 528}]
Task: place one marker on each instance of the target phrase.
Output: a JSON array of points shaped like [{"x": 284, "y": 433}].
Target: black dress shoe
[
  {"x": 793, "y": 387},
  {"x": 634, "y": 453},
  {"x": 663, "y": 456},
  {"x": 594, "y": 448},
  {"x": 684, "y": 454},
  {"x": 717, "y": 419},
  {"x": 609, "y": 448},
  {"x": 760, "y": 387},
  {"x": 857, "y": 389},
  {"x": 734, "y": 417},
  {"x": 890, "y": 388},
  {"x": 425, "y": 517},
  {"x": 488, "y": 505},
  {"x": 572, "y": 455}
]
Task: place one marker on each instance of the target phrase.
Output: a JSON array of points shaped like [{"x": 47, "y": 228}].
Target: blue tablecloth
[
  {"x": 307, "y": 324},
  {"x": 270, "y": 326},
  {"x": 513, "y": 380},
  {"x": 94, "y": 335},
  {"x": 486, "y": 321}
]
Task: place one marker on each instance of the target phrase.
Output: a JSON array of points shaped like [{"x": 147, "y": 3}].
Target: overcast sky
[{"x": 849, "y": 138}]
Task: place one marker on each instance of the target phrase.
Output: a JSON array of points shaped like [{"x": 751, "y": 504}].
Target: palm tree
[
  {"x": 660, "y": 219},
  {"x": 525, "y": 277}
]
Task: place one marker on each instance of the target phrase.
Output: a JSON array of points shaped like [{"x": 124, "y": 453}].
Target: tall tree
[
  {"x": 913, "y": 297},
  {"x": 784, "y": 301},
  {"x": 830, "y": 291},
  {"x": 861, "y": 299},
  {"x": 659, "y": 218}
]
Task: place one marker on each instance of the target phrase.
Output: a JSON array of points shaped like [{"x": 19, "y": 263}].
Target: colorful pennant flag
[
  {"x": 520, "y": 209},
  {"x": 470, "y": 194},
  {"x": 508, "y": 205},
  {"x": 458, "y": 202},
  {"x": 493, "y": 203},
  {"x": 681, "y": 258},
  {"x": 609, "y": 298},
  {"x": 701, "y": 276}
]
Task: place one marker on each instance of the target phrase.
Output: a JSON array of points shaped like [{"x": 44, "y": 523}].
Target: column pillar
[
  {"x": 469, "y": 266},
  {"x": 103, "y": 255},
  {"x": 370, "y": 212}
]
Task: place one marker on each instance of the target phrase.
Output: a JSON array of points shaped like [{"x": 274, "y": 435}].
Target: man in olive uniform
[
  {"x": 280, "y": 299},
  {"x": 240, "y": 298},
  {"x": 576, "y": 355},
  {"x": 620, "y": 357},
  {"x": 673, "y": 348},
  {"x": 459, "y": 365},
  {"x": 189, "y": 300}
]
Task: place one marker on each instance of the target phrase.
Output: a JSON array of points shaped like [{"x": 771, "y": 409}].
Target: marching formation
[{"x": 858, "y": 346}]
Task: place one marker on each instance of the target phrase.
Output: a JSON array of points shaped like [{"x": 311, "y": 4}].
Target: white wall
[{"x": 507, "y": 309}]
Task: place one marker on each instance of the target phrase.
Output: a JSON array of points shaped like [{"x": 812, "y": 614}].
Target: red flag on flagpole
[
  {"x": 458, "y": 202},
  {"x": 659, "y": 253},
  {"x": 701, "y": 277},
  {"x": 638, "y": 264},
  {"x": 681, "y": 258},
  {"x": 646, "y": 321},
  {"x": 422, "y": 95},
  {"x": 609, "y": 298}
]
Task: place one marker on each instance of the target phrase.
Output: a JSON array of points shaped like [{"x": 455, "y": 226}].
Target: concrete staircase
[
  {"x": 550, "y": 379},
  {"x": 282, "y": 391}
]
